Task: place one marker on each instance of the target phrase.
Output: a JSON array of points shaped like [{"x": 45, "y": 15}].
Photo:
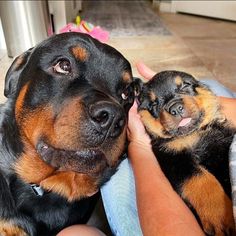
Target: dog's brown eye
[{"x": 63, "y": 67}]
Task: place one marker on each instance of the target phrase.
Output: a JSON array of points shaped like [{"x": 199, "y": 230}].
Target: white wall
[
  {"x": 218, "y": 9},
  {"x": 63, "y": 11},
  {"x": 2, "y": 39}
]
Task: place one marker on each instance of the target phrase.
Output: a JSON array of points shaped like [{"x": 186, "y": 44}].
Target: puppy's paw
[
  {"x": 211, "y": 204},
  {"x": 8, "y": 228},
  {"x": 224, "y": 228}
]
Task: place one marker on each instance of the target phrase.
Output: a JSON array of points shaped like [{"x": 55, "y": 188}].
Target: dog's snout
[
  {"x": 108, "y": 117},
  {"x": 176, "y": 109}
]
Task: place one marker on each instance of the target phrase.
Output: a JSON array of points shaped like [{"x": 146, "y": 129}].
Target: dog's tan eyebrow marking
[
  {"x": 80, "y": 53},
  {"x": 178, "y": 80},
  {"x": 126, "y": 77},
  {"x": 152, "y": 96}
]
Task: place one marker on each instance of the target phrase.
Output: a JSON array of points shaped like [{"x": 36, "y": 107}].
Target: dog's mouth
[
  {"x": 184, "y": 125},
  {"x": 185, "y": 122},
  {"x": 188, "y": 125},
  {"x": 87, "y": 161}
]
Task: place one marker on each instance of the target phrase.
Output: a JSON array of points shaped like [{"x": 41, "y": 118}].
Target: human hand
[
  {"x": 145, "y": 71},
  {"x": 136, "y": 132}
]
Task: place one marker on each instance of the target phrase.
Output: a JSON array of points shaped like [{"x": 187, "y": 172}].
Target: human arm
[
  {"x": 229, "y": 108},
  {"x": 161, "y": 210}
]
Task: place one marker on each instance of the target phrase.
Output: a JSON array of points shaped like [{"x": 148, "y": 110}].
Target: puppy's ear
[
  {"x": 138, "y": 84},
  {"x": 13, "y": 73}
]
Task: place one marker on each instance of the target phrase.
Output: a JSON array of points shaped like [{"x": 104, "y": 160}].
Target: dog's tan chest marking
[
  {"x": 181, "y": 143},
  {"x": 31, "y": 168},
  {"x": 71, "y": 185}
]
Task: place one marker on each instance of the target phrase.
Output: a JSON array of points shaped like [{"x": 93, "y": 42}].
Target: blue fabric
[
  {"x": 119, "y": 201},
  {"x": 119, "y": 193},
  {"x": 218, "y": 88},
  {"x": 232, "y": 167}
]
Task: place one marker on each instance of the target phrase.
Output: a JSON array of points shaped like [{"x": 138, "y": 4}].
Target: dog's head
[
  {"x": 174, "y": 104},
  {"x": 71, "y": 96}
]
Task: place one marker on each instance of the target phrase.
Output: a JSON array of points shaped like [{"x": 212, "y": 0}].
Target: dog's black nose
[
  {"x": 108, "y": 117},
  {"x": 176, "y": 109}
]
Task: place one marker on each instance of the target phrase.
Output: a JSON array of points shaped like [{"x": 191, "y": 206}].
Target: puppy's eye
[
  {"x": 185, "y": 85},
  {"x": 153, "y": 105},
  {"x": 63, "y": 67},
  {"x": 125, "y": 94}
]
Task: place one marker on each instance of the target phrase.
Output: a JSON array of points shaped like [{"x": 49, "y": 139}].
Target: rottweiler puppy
[
  {"x": 62, "y": 130},
  {"x": 191, "y": 140}
]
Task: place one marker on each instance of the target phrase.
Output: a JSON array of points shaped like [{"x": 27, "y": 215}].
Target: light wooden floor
[
  {"x": 203, "y": 47},
  {"x": 200, "y": 46},
  {"x": 212, "y": 41}
]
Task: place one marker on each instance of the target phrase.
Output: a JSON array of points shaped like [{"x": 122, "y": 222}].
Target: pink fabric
[{"x": 96, "y": 32}]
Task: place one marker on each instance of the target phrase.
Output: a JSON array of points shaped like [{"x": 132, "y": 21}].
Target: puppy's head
[
  {"x": 70, "y": 95},
  {"x": 175, "y": 104}
]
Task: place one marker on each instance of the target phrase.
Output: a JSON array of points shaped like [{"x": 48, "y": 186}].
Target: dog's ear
[
  {"x": 138, "y": 84},
  {"x": 13, "y": 73}
]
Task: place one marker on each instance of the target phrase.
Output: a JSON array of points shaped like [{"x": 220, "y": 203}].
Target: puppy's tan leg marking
[
  {"x": 212, "y": 205},
  {"x": 9, "y": 229}
]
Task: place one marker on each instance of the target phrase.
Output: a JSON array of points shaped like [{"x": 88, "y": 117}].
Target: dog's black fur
[
  {"x": 62, "y": 128},
  {"x": 191, "y": 140}
]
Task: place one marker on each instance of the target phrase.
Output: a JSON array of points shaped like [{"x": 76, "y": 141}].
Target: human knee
[{"x": 83, "y": 230}]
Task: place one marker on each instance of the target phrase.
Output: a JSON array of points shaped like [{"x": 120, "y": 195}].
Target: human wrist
[
  {"x": 138, "y": 151},
  {"x": 140, "y": 145}
]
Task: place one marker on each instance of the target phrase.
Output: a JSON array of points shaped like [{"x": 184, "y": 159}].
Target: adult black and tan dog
[
  {"x": 62, "y": 132},
  {"x": 191, "y": 140}
]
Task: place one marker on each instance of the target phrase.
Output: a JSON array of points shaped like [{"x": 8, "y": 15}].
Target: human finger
[
  {"x": 136, "y": 128},
  {"x": 144, "y": 70}
]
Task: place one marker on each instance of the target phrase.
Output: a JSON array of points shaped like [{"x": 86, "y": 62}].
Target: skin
[
  {"x": 167, "y": 215},
  {"x": 228, "y": 107},
  {"x": 77, "y": 230}
]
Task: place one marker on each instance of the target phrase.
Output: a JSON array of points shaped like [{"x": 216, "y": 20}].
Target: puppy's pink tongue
[{"x": 184, "y": 122}]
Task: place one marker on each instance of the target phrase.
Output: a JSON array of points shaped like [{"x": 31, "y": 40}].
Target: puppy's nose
[
  {"x": 108, "y": 117},
  {"x": 176, "y": 109}
]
